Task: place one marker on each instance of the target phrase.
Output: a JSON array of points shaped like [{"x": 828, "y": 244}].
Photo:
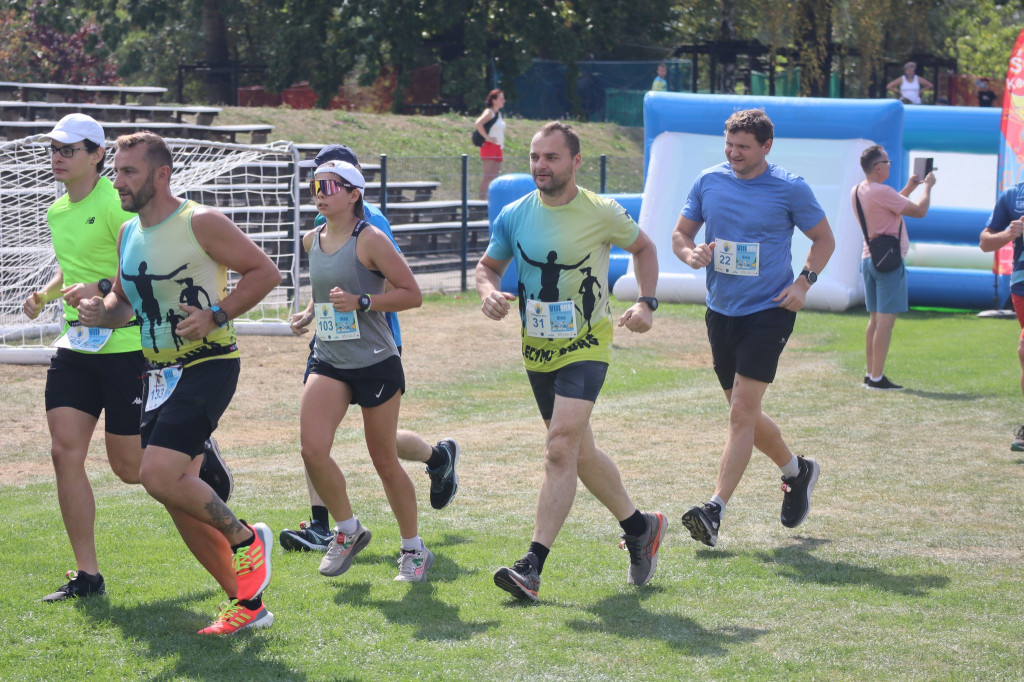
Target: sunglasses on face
[
  {"x": 328, "y": 187},
  {"x": 66, "y": 152}
]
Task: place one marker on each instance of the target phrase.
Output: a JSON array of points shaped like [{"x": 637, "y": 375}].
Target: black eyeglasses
[
  {"x": 887, "y": 162},
  {"x": 66, "y": 152}
]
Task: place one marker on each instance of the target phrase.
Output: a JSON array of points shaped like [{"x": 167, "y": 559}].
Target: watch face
[
  {"x": 105, "y": 286},
  {"x": 221, "y": 318}
]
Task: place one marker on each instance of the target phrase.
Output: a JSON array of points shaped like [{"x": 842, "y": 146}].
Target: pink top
[{"x": 883, "y": 207}]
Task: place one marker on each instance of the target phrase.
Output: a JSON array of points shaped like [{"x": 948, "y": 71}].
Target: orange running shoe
[
  {"x": 234, "y": 617},
  {"x": 252, "y": 563}
]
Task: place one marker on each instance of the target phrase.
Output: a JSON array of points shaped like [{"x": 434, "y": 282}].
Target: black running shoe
[
  {"x": 882, "y": 384},
  {"x": 796, "y": 500},
  {"x": 522, "y": 580},
  {"x": 703, "y": 523},
  {"x": 444, "y": 481},
  {"x": 311, "y": 537},
  {"x": 77, "y": 586},
  {"x": 214, "y": 470}
]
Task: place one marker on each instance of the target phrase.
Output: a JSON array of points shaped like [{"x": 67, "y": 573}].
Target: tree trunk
[
  {"x": 215, "y": 40},
  {"x": 814, "y": 39}
]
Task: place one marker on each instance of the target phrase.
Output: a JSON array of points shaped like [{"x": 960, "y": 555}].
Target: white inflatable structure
[{"x": 819, "y": 139}]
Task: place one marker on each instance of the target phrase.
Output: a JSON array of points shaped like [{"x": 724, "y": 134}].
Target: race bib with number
[
  {"x": 551, "y": 320},
  {"x": 334, "y": 326},
  {"x": 162, "y": 383},
  {"x": 85, "y": 339},
  {"x": 737, "y": 258}
]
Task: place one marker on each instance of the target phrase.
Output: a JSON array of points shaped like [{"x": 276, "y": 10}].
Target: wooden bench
[
  {"x": 258, "y": 133},
  {"x": 63, "y": 92},
  {"x": 13, "y": 110},
  {"x": 434, "y": 211},
  {"x": 228, "y": 133}
]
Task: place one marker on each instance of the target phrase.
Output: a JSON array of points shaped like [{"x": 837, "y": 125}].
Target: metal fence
[{"x": 437, "y": 214}]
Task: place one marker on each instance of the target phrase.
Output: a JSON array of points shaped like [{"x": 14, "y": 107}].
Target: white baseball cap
[
  {"x": 344, "y": 170},
  {"x": 75, "y": 128}
]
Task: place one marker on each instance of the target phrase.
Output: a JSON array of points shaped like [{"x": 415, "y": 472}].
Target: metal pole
[
  {"x": 384, "y": 184},
  {"x": 604, "y": 173},
  {"x": 465, "y": 220}
]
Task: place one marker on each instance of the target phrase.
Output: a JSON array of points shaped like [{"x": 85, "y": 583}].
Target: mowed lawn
[{"x": 908, "y": 567}]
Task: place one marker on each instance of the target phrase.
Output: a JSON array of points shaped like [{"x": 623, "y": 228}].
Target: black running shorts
[
  {"x": 581, "y": 380},
  {"x": 371, "y": 386},
  {"x": 190, "y": 415},
  {"x": 748, "y": 345},
  {"x": 94, "y": 382}
]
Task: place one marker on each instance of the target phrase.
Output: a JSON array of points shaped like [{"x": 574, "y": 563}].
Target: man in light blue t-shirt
[{"x": 749, "y": 208}]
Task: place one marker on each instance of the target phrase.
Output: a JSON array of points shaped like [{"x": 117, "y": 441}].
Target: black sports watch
[
  {"x": 811, "y": 276},
  {"x": 364, "y": 302},
  {"x": 219, "y": 316},
  {"x": 105, "y": 286},
  {"x": 651, "y": 302}
]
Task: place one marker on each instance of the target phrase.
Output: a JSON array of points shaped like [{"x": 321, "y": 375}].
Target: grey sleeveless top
[{"x": 342, "y": 269}]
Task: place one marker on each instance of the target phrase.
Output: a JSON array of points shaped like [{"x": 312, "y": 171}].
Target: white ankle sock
[
  {"x": 347, "y": 527},
  {"x": 715, "y": 499},
  {"x": 792, "y": 468},
  {"x": 412, "y": 544}
]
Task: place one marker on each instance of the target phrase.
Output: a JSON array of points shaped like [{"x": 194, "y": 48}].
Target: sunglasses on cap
[{"x": 328, "y": 187}]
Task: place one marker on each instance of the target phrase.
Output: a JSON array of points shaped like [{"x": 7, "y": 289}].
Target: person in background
[
  {"x": 986, "y": 97},
  {"x": 909, "y": 85},
  {"x": 660, "y": 84},
  {"x": 491, "y": 126},
  {"x": 1005, "y": 225},
  {"x": 885, "y": 293}
]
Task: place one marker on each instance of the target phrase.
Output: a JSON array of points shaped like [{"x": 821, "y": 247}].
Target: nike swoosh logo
[
  {"x": 380, "y": 391},
  {"x": 379, "y": 350}
]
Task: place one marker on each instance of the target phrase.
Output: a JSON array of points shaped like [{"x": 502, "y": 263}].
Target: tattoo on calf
[{"x": 221, "y": 517}]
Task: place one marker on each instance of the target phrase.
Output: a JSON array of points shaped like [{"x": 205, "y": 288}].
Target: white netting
[{"x": 254, "y": 185}]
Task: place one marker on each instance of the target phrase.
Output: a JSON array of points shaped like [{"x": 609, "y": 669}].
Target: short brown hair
[
  {"x": 571, "y": 138},
  {"x": 753, "y": 121},
  {"x": 870, "y": 156},
  {"x": 157, "y": 152}
]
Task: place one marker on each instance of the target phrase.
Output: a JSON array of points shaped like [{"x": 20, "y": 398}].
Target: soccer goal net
[{"x": 254, "y": 185}]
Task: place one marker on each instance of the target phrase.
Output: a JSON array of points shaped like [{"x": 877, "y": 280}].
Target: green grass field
[{"x": 907, "y": 568}]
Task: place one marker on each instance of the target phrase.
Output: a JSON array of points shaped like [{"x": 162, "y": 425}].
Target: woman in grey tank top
[{"x": 355, "y": 361}]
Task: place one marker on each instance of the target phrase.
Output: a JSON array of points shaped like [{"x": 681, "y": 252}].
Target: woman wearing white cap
[{"x": 355, "y": 361}]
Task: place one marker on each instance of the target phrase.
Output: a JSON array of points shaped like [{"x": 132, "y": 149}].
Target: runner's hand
[
  {"x": 33, "y": 305},
  {"x": 299, "y": 322},
  {"x": 90, "y": 311},
  {"x": 497, "y": 304},
  {"x": 197, "y": 324},
  {"x": 700, "y": 256},
  {"x": 638, "y": 318}
]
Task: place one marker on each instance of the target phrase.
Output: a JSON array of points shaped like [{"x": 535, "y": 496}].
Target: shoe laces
[
  {"x": 242, "y": 560},
  {"x": 227, "y": 610},
  {"x": 406, "y": 558},
  {"x": 524, "y": 567},
  {"x": 632, "y": 545}
]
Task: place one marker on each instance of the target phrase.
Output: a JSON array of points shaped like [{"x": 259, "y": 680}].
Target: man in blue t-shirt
[
  {"x": 440, "y": 459},
  {"x": 749, "y": 208},
  {"x": 1005, "y": 225}
]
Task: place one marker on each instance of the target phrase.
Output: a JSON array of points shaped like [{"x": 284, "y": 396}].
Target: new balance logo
[{"x": 90, "y": 221}]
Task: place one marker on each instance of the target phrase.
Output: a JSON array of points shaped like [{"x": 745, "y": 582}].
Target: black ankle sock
[
  {"x": 437, "y": 457},
  {"x": 634, "y": 525},
  {"x": 234, "y": 548},
  {"x": 253, "y": 604},
  {"x": 541, "y": 552},
  {"x": 320, "y": 516}
]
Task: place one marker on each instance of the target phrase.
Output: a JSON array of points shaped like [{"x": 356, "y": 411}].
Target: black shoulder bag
[
  {"x": 884, "y": 249},
  {"x": 478, "y": 139}
]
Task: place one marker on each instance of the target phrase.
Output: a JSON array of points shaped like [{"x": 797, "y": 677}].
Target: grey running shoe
[
  {"x": 643, "y": 549},
  {"x": 343, "y": 550},
  {"x": 522, "y": 581},
  {"x": 414, "y": 564},
  {"x": 444, "y": 481},
  {"x": 77, "y": 586},
  {"x": 1018, "y": 442},
  {"x": 214, "y": 470},
  {"x": 703, "y": 523},
  {"x": 311, "y": 537},
  {"x": 796, "y": 500}
]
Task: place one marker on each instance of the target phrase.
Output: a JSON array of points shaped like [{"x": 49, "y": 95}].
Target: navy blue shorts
[
  {"x": 97, "y": 382},
  {"x": 581, "y": 380}
]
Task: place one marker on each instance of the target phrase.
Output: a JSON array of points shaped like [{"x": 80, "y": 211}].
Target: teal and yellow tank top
[{"x": 164, "y": 266}]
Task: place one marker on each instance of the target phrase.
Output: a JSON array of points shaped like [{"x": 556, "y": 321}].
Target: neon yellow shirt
[{"x": 84, "y": 237}]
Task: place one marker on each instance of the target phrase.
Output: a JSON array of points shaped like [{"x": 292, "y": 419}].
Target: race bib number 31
[
  {"x": 551, "y": 320},
  {"x": 737, "y": 258},
  {"x": 334, "y": 326}
]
